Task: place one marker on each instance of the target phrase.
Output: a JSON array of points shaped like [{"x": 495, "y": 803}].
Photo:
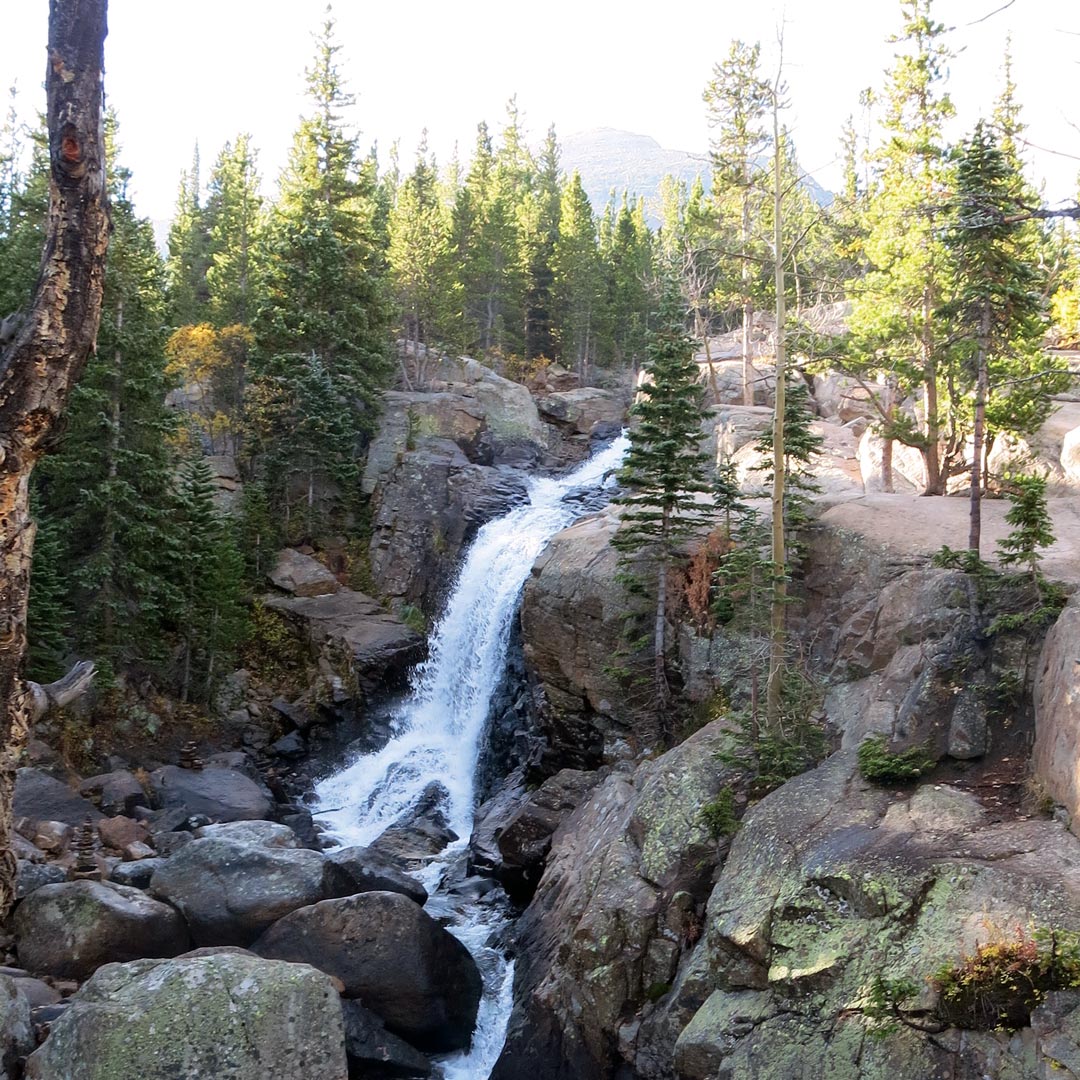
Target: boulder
[
  {"x": 375, "y": 1054},
  {"x": 120, "y": 832},
  {"x": 420, "y": 833},
  {"x": 387, "y": 951},
  {"x": 580, "y": 410},
  {"x": 32, "y": 876},
  {"x": 261, "y": 833},
  {"x": 136, "y": 874},
  {"x": 372, "y": 872},
  {"x": 224, "y": 1016},
  {"x": 221, "y": 794},
  {"x": 1057, "y": 712},
  {"x": 842, "y": 398},
  {"x": 16, "y": 1033},
  {"x": 230, "y": 891},
  {"x": 379, "y": 647},
  {"x": 831, "y": 882},
  {"x": 572, "y": 613},
  {"x": 116, "y": 792},
  {"x": 70, "y": 929},
  {"x": 40, "y": 797},
  {"x": 302, "y": 575}
]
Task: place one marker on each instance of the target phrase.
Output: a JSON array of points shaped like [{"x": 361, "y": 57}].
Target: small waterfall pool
[{"x": 439, "y": 729}]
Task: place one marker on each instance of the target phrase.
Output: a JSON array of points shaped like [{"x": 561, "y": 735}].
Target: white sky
[{"x": 208, "y": 69}]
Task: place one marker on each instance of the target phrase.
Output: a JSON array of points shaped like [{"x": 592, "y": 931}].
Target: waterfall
[{"x": 439, "y": 729}]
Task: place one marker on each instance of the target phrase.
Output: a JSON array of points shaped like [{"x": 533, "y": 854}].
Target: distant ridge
[{"x": 610, "y": 159}]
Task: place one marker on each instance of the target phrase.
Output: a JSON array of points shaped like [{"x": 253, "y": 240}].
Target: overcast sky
[{"x": 208, "y": 69}]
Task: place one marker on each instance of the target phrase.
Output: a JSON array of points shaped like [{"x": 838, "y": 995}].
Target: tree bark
[
  {"x": 48, "y": 354},
  {"x": 778, "y": 614},
  {"x": 981, "y": 391}
]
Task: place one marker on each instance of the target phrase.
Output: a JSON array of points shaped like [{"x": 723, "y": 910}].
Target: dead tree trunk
[{"x": 39, "y": 367}]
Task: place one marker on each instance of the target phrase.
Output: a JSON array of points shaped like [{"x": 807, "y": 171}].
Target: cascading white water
[
  {"x": 440, "y": 726},
  {"x": 439, "y": 729}
]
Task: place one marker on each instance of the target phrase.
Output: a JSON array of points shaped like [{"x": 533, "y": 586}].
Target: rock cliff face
[{"x": 625, "y": 970}]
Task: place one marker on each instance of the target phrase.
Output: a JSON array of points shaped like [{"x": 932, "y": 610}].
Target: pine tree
[
  {"x": 664, "y": 472},
  {"x": 1032, "y": 525},
  {"x": 996, "y": 311},
  {"x": 50, "y": 618},
  {"x": 576, "y": 266},
  {"x": 324, "y": 319},
  {"x": 894, "y": 331},
  {"x": 106, "y": 489},
  {"x": 539, "y": 219},
  {"x": 188, "y": 248},
  {"x": 207, "y": 574},
  {"x": 233, "y": 222},
  {"x": 737, "y": 99},
  {"x": 626, "y": 254},
  {"x": 22, "y": 228},
  {"x": 420, "y": 260}
]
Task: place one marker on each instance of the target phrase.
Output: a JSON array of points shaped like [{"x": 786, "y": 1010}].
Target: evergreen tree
[
  {"x": 1032, "y": 526},
  {"x": 49, "y": 619},
  {"x": 324, "y": 320},
  {"x": 996, "y": 310},
  {"x": 540, "y": 218},
  {"x": 106, "y": 490},
  {"x": 207, "y": 574},
  {"x": 420, "y": 260},
  {"x": 576, "y": 266},
  {"x": 664, "y": 471},
  {"x": 737, "y": 99},
  {"x": 894, "y": 332},
  {"x": 188, "y": 248},
  {"x": 626, "y": 254},
  {"x": 22, "y": 227},
  {"x": 233, "y": 221}
]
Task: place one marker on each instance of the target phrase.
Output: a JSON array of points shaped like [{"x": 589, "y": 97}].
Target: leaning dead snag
[{"x": 49, "y": 350}]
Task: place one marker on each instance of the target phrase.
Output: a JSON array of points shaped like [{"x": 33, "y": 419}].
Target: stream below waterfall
[{"x": 438, "y": 733}]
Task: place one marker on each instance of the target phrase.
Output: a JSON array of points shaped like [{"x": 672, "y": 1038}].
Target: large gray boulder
[
  {"x": 70, "y": 929},
  {"x": 221, "y": 794},
  {"x": 226, "y": 1017},
  {"x": 375, "y": 1054},
  {"x": 230, "y": 892},
  {"x": 372, "y": 872},
  {"x": 16, "y": 1034},
  {"x": 117, "y": 792},
  {"x": 41, "y": 797},
  {"x": 393, "y": 956}
]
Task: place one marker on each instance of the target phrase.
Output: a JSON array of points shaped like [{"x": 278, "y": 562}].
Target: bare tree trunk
[
  {"x": 935, "y": 483},
  {"x": 778, "y": 614},
  {"x": 982, "y": 386},
  {"x": 889, "y": 405},
  {"x": 39, "y": 367},
  {"x": 747, "y": 301}
]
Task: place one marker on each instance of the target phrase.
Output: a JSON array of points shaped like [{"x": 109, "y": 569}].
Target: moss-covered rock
[{"x": 226, "y": 1016}]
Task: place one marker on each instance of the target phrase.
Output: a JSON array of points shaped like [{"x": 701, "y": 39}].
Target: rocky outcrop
[
  {"x": 572, "y": 619},
  {"x": 388, "y": 952},
  {"x": 578, "y": 412},
  {"x": 229, "y": 891},
  {"x": 227, "y": 1016},
  {"x": 427, "y": 508},
  {"x": 346, "y": 630},
  {"x": 1057, "y": 712},
  {"x": 301, "y": 575},
  {"x": 70, "y": 929},
  {"x": 831, "y": 882},
  {"x": 371, "y": 872},
  {"x": 614, "y": 912}
]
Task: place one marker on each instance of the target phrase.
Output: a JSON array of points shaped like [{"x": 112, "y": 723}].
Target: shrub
[
  {"x": 880, "y": 765},
  {"x": 1003, "y": 981},
  {"x": 719, "y": 815}
]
